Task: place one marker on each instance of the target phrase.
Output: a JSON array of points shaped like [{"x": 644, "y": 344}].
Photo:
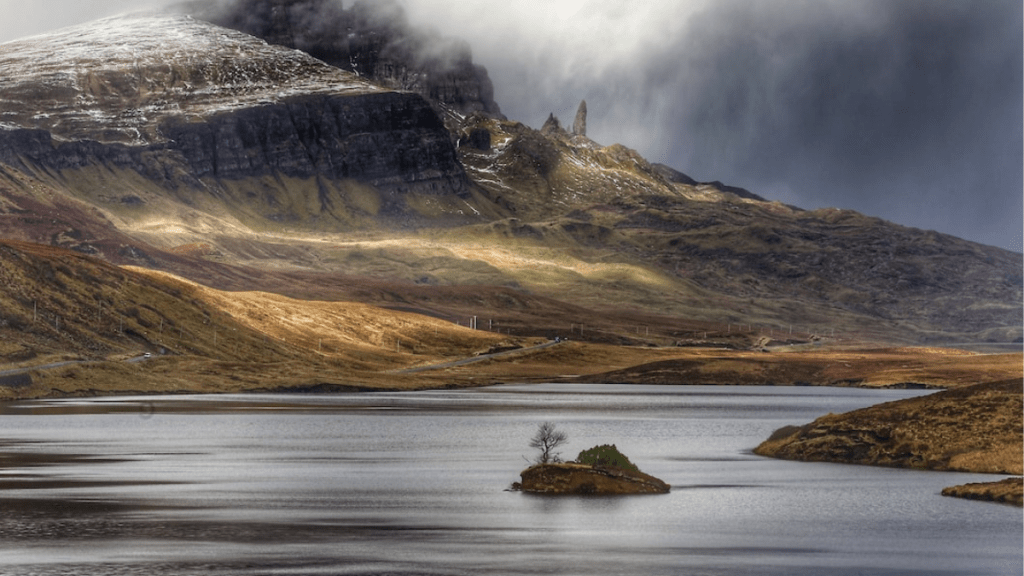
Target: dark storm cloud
[{"x": 909, "y": 110}]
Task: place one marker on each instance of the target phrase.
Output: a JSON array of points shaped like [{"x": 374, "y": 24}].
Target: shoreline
[
  {"x": 975, "y": 429},
  {"x": 870, "y": 436}
]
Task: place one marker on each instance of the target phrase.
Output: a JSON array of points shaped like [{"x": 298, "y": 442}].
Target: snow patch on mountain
[{"x": 116, "y": 80}]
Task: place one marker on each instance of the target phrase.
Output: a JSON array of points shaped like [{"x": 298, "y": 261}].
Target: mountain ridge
[{"x": 374, "y": 40}]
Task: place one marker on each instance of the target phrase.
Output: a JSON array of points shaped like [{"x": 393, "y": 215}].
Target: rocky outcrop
[
  {"x": 573, "y": 478},
  {"x": 386, "y": 139},
  {"x": 579, "y": 126},
  {"x": 374, "y": 40}
]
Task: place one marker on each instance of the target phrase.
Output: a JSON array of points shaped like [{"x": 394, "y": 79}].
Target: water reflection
[{"x": 413, "y": 483}]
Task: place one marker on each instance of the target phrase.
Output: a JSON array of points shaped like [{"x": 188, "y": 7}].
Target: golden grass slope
[
  {"x": 369, "y": 336},
  {"x": 977, "y": 428},
  {"x": 57, "y": 305},
  {"x": 823, "y": 366}
]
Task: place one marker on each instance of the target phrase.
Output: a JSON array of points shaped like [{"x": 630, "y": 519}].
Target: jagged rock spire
[
  {"x": 551, "y": 125},
  {"x": 579, "y": 126}
]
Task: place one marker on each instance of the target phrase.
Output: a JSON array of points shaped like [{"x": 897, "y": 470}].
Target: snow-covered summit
[{"x": 116, "y": 80}]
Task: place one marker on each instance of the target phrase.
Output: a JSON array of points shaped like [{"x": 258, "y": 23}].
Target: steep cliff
[
  {"x": 200, "y": 110},
  {"x": 372, "y": 39}
]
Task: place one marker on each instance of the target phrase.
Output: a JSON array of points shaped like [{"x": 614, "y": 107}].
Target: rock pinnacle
[{"x": 579, "y": 126}]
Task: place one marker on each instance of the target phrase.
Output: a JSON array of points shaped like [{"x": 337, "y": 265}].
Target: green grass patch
[{"x": 607, "y": 456}]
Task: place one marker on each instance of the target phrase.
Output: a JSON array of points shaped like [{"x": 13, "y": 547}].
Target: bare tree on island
[{"x": 546, "y": 440}]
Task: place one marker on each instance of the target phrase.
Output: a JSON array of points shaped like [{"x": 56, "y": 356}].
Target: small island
[
  {"x": 576, "y": 478},
  {"x": 601, "y": 470}
]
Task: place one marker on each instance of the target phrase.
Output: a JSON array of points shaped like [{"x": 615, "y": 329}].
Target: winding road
[
  {"x": 473, "y": 359},
  {"x": 25, "y": 370}
]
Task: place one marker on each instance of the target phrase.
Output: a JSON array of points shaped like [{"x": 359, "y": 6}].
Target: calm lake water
[{"x": 414, "y": 483}]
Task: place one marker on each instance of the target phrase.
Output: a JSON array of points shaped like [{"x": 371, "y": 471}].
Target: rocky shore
[
  {"x": 1009, "y": 491},
  {"x": 976, "y": 428}
]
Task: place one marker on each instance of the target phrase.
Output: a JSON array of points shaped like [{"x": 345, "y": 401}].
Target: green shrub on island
[{"x": 606, "y": 456}]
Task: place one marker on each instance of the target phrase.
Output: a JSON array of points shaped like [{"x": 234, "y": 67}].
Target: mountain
[
  {"x": 171, "y": 143},
  {"x": 144, "y": 114},
  {"x": 372, "y": 39}
]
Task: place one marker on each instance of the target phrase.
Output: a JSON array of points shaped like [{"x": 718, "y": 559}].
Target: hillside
[
  {"x": 59, "y": 306},
  {"x": 72, "y": 324},
  {"x": 172, "y": 144},
  {"x": 975, "y": 428}
]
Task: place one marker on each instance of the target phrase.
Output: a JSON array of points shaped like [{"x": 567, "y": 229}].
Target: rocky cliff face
[
  {"x": 373, "y": 40},
  {"x": 188, "y": 104},
  {"x": 385, "y": 139}
]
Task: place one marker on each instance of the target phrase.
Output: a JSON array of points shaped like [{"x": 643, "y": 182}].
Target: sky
[{"x": 910, "y": 111}]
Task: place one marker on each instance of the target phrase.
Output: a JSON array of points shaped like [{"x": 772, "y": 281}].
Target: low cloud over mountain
[{"x": 905, "y": 110}]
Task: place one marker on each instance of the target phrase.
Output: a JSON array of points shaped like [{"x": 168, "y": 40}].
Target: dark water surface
[{"x": 414, "y": 483}]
